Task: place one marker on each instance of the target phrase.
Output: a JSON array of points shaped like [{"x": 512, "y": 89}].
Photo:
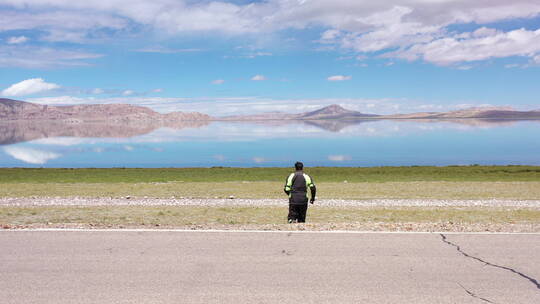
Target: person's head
[{"x": 299, "y": 166}]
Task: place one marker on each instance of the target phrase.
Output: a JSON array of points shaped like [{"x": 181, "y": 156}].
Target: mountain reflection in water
[
  {"x": 367, "y": 142},
  {"x": 20, "y": 131}
]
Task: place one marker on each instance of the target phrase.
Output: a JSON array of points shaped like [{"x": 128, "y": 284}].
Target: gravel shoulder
[
  {"x": 136, "y": 201},
  {"x": 494, "y": 215},
  {"x": 421, "y": 190},
  {"x": 352, "y": 226}
]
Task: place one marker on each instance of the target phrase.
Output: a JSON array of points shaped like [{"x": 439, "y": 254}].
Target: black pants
[{"x": 297, "y": 213}]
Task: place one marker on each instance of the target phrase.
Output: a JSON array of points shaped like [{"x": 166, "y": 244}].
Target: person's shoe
[{"x": 290, "y": 221}]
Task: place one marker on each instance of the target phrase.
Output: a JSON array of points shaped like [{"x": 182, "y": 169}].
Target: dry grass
[
  {"x": 182, "y": 216},
  {"x": 371, "y": 190}
]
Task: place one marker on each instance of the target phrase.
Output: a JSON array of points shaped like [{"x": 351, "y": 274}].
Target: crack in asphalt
[
  {"x": 530, "y": 279},
  {"x": 474, "y": 295}
]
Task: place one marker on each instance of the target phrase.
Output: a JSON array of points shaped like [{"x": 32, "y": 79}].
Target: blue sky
[{"x": 239, "y": 57}]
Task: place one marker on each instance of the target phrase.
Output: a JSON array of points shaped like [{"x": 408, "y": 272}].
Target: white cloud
[
  {"x": 218, "y": 81},
  {"x": 65, "y": 36},
  {"x": 388, "y": 29},
  {"x": 259, "y": 160},
  {"x": 512, "y": 65},
  {"x": 62, "y": 100},
  {"x": 338, "y": 158},
  {"x": 363, "y": 26},
  {"x": 219, "y": 157},
  {"x": 415, "y": 34},
  {"x": 249, "y": 55},
  {"x": 330, "y": 35},
  {"x": 31, "y": 156},
  {"x": 339, "y": 78},
  {"x": 257, "y": 54},
  {"x": 42, "y": 57},
  {"x": 17, "y": 40},
  {"x": 128, "y": 92},
  {"x": 490, "y": 44},
  {"x": 59, "y": 22},
  {"x": 28, "y": 87},
  {"x": 97, "y": 91},
  {"x": 58, "y": 141},
  {"x": 164, "y": 50},
  {"x": 482, "y": 32},
  {"x": 258, "y": 78},
  {"x": 158, "y": 90}
]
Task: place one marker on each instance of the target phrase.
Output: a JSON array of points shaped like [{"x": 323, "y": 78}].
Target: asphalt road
[{"x": 256, "y": 267}]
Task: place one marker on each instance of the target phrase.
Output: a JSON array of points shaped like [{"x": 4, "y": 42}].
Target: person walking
[{"x": 296, "y": 187}]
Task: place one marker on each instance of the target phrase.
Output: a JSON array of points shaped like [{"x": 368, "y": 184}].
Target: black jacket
[{"x": 296, "y": 186}]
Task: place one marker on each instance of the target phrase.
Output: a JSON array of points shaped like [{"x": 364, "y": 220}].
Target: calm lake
[{"x": 271, "y": 143}]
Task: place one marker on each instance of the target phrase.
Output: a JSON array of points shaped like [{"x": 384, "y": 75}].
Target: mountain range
[
  {"x": 21, "y": 110},
  {"x": 339, "y": 113},
  {"x": 478, "y": 113}
]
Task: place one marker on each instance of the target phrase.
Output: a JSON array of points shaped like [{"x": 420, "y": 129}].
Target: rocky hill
[
  {"x": 20, "y": 110},
  {"x": 335, "y": 112},
  {"x": 330, "y": 112},
  {"x": 478, "y": 113}
]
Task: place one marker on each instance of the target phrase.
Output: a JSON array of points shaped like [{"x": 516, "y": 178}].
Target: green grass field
[
  {"x": 463, "y": 182},
  {"x": 258, "y": 190},
  {"x": 320, "y": 174}
]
